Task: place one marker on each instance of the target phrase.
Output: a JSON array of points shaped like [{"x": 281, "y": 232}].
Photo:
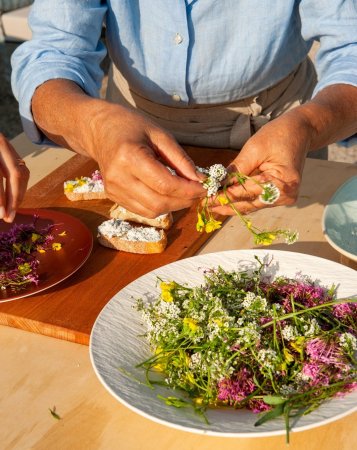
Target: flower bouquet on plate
[{"x": 278, "y": 347}]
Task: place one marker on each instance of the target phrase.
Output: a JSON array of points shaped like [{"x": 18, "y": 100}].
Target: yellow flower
[
  {"x": 288, "y": 356},
  {"x": 191, "y": 324},
  {"x": 212, "y": 225},
  {"x": 161, "y": 366},
  {"x": 16, "y": 247},
  {"x": 56, "y": 246},
  {"x": 35, "y": 237},
  {"x": 200, "y": 222},
  {"x": 68, "y": 187},
  {"x": 24, "y": 269},
  {"x": 298, "y": 344},
  {"x": 264, "y": 238},
  {"x": 167, "y": 297},
  {"x": 41, "y": 250},
  {"x": 166, "y": 289},
  {"x": 167, "y": 286},
  {"x": 223, "y": 200},
  {"x": 197, "y": 401},
  {"x": 190, "y": 378}
]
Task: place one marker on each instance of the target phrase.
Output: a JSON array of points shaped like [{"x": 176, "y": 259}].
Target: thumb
[{"x": 247, "y": 162}]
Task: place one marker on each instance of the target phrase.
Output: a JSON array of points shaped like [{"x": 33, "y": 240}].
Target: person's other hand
[
  {"x": 14, "y": 176},
  {"x": 276, "y": 153},
  {"x": 132, "y": 153}
]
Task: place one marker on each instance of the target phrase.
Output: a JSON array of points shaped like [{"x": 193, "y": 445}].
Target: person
[
  {"x": 214, "y": 74},
  {"x": 14, "y": 172}
]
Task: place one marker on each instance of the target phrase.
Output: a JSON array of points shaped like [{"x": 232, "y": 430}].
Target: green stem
[{"x": 313, "y": 308}]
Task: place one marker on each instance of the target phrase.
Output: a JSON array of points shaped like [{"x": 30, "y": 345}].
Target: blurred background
[{"x": 14, "y": 30}]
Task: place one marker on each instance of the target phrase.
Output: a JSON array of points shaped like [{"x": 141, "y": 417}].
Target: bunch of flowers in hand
[
  {"x": 19, "y": 248},
  {"x": 279, "y": 347},
  {"x": 215, "y": 175}
]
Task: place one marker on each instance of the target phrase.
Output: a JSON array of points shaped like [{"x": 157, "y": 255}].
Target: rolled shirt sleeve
[
  {"x": 65, "y": 44},
  {"x": 334, "y": 25}
]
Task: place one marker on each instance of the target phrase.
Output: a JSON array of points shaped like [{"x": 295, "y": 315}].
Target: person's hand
[
  {"x": 14, "y": 176},
  {"x": 276, "y": 153},
  {"x": 132, "y": 153}
]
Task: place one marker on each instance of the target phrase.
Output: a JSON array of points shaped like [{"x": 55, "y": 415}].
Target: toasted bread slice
[
  {"x": 77, "y": 196},
  {"x": 119, "y": 212},
  {"x": 85, "y": 188},
  {"x": 121, "y": 235}
]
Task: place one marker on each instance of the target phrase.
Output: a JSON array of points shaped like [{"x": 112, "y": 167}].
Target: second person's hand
[{"x": 16, "y": 175}]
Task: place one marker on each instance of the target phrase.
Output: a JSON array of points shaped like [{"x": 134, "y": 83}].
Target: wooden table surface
[{"x": 39, "y": 372}]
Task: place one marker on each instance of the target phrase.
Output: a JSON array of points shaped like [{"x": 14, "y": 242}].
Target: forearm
[
  {"x": 330, "y": 116},
  {"x": 63, "y": 112}
]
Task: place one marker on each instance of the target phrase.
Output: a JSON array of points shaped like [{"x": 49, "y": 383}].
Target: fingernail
[
  {"x": 2, "y": 212},
  {"x": 200, "y": 175},
  {"x": 10, "y": 217}
]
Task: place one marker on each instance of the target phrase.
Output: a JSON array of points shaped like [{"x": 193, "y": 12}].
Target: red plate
[{"x": 55, "y": 266}]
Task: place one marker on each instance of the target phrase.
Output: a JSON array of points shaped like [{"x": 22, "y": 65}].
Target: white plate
[
  {"x": 339, "y": 221},
  {"x": 116, "y": 344}
]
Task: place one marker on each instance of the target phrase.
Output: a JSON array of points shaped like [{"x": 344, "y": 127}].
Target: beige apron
[{"x": 226, "y": 125}]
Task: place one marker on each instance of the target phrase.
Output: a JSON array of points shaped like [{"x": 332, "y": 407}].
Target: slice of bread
[
  {"x": 119, "y": 212},
  {"x": 85, "y": 188},
  {"x": 121, "y": 235},
  {"x": 77, "y": 196}
]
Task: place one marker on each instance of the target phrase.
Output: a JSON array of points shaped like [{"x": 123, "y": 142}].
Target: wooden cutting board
[{"x": 69, "y": 309}]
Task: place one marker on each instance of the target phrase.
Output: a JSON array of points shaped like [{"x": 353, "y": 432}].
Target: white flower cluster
[
  {"x": 249, "y": 335},
  {"x": 311, "y": 328},
  {"x": 270, "y": 194},
  {"x": 254, "y": 302},
  {"x": 215, "y": 175},
  {"x": 348, "y": 342},
  {"x": 289, "y": 333},
  {"x": 268, "y": 358},
  {"x": 286, "y": 390}
]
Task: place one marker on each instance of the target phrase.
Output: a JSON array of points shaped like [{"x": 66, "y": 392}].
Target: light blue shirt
[{"x": 184, "y": 52}]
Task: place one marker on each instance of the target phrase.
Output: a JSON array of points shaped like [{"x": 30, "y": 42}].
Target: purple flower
[
  {"x": 97, "y": 176},
  {"x": 237, "y": 388},
  {"x": 258, "y": 405}
]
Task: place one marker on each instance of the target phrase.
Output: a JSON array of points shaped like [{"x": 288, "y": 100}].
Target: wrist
[{"x": 299, "y": 129}]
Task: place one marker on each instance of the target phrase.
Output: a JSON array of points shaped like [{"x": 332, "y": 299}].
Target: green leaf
[
  {"x": 272, "y": 414},
  {"x": 273, "y": 400},
  {"x": 174, "y": 401}
]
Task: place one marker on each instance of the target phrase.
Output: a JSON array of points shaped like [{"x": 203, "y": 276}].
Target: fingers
[
  {"x": 143, "y": 200},
  {"x": 15, "y": 175},
  {"x": 137, "y": 180},
  {"x": 174, "y": 155}
]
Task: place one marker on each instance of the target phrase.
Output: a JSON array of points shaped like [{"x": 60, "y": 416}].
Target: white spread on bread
[
  {"x": 85, "y": 184},
  {"x": 124, "y": 230}
]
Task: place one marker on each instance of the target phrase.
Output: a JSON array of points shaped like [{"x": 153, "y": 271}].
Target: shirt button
[
  {"x": 178, "y": 38},
  {"x": 176, "y": 98}
]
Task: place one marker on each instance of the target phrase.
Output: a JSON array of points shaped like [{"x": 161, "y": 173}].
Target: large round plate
[
  {"x": 339, "y": 221},
  {"x": 117, "y": 345},
  {"x": 55, "y": 266}
]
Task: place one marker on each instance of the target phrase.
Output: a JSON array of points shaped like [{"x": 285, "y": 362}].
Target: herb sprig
[{"x": 215, "y": 175}]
